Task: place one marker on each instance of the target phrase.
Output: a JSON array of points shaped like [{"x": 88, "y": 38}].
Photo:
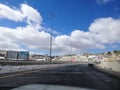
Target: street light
[
  {"x": 71, "y": 51},
  {"x": 52, "y": 17}
]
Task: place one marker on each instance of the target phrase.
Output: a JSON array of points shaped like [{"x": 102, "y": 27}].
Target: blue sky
[{"x": 70, "y": 16}]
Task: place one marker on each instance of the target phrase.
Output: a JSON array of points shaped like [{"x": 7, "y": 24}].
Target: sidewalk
[{"x": 108, "y": 71}]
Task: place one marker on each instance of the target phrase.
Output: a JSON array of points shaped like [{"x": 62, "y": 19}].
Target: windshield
[{"x": 71, "y": 43}]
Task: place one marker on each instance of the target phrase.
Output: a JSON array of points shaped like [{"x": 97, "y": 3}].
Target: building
[
  {"x": 17, "y": 55},
  {"x": 37, "y": 57}
]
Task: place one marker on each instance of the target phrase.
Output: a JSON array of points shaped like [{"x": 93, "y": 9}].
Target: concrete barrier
[{"x": 114, "y": 66}]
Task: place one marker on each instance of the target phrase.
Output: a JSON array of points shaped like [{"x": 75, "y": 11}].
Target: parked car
[{"x": 2, "y": 58}]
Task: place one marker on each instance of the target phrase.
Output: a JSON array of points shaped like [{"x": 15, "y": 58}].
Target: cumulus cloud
[
  {"x": 31, "y": 35},
  {"x": 32, "y": 15},
  {"x": 7, "y": 12},
  {"x": 25, "y": 13},
  {"x": 9, "y": 45},
  {"x": 34, "y": 36},
  {"x": 106, "y": 30},
  {"x": 101, "y": 32}
]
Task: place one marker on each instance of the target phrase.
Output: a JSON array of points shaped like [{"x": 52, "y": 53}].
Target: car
[
  {"x": 90, "y": 62},
  {"x": 90, "y": 65},
  {"x": 2, "y": 58},
  {"x": 48, "y": 87}
]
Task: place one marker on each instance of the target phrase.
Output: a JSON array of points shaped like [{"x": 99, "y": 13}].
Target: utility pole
[
  {"x": 71, "y": 52},
  {"x": 50, "y": 57}
]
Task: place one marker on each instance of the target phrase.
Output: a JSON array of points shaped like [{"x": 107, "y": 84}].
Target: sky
[{"x": 77, "y": 26}]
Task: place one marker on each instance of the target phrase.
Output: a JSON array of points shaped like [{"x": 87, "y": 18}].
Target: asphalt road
[{"x": 79, "y": 75}]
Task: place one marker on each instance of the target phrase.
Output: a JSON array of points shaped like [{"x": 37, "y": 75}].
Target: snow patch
[{"x": 10, "y": 69}]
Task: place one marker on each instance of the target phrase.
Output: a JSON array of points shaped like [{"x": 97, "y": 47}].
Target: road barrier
[{"x": 114, "y": 65}]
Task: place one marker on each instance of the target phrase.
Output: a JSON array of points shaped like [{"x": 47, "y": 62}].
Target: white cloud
[
  {"x": 103, "y": 1},
  {"x": 102, "y": 31},
  {"x": 34, "y": 36},
  {"x": 25, "y": 13},
  {"x": 32, "y": 15},
  {"x": 30, "y": 35},
  {"x": 7, "y": 12},
  {"x": 9, "y": 45},
  {"x": 106, "y": 30}
]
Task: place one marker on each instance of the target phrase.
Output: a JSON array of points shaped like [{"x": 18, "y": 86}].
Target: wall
[{"x": 115, "y": 65}]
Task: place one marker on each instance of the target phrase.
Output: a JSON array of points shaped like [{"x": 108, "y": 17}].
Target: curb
[{"x": 108, "y": 72}]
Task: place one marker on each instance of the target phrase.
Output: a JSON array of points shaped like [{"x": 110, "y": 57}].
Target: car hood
[{"x": 49, "y": 87}]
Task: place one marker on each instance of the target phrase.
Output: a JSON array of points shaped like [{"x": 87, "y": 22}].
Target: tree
[
  {"x": 116, "y": 52},
  {"x": 109, "y": 53}
]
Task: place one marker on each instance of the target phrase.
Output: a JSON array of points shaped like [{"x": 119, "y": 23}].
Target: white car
[
  {"x": 48, "y": 87},
  {"x": 90, "y": 62},
  {"x": 2, "y": 58}
]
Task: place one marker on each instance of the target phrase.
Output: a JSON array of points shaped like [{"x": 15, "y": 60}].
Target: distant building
[
  {"x": 37, "y": 57},
  {"x": 17, "y": 55},
  {"x": 73, "y": 58},
  {"x": 118, "y": 57},
  {"x": 112, "y": 55}
]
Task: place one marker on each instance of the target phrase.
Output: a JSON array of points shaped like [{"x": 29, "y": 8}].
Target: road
[{"x": 79, "y": 75}]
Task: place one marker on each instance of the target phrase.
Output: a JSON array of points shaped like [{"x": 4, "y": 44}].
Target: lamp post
[
  {"x": 52, "y": 17},
  {"x": 71, "y": 52}
]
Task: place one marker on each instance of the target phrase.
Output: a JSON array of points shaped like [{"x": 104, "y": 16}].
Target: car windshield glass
[{"x": 60, "y": 44}]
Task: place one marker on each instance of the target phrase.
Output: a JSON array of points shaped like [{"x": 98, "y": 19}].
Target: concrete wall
[
  {"x": 115, "y": 66},
  {"x": 74, "y": 58}
]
